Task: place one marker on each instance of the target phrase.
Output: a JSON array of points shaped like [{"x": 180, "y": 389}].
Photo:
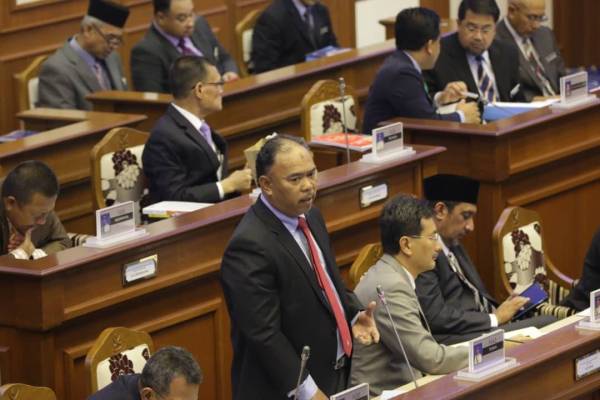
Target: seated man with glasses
[
  {"x": 540, "y": 62},
  {"x": 175, "y": 31},
  {"x": 410, "y": 244},
  {"x": 170, "y": 373},
  {"x": 472, "y": 55},
  {"x": 184, "y": 159},
  {"x": 87, "y": 62}
]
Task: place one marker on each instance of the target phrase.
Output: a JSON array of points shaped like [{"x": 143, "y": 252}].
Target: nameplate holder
[
  {"x": 140, "y": 270},
  {"x": 587, "y": 364},
  {"x": 574, "y": 92},
  {"x": 388, "y": 145},
  {"x": 592, "y": 322},
  {"x": 358, "y": 392},
  {"x": 486, "y": 358},
  {"x": 372, "y": 194},
  {"x": 115, "y": 225}
]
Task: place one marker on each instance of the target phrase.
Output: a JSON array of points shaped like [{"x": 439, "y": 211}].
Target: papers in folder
[
  {"x": 501, "y": 110},
  {"x": 356, "y": 141},
  {"x": 166, "y": 209}
]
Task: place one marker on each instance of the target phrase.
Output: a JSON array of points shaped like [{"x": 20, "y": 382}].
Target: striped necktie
[
  {"x": 537, "y": 67},
  {"x": 480, "y": 300},
  {"x": 484, "y": 81}
]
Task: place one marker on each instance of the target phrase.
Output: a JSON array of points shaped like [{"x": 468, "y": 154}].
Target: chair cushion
[
  {"x": 131, "y": 361},
  {"x": 32, "y": 91},
  {"x": 107, "y": 175},
  {"x": 247, "y": 45},
  {"x": 524, "y": 257},
  {"x": 327, "y": 116}
]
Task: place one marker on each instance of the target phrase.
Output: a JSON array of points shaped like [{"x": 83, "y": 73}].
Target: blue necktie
[{"x": 484, "y": 81}]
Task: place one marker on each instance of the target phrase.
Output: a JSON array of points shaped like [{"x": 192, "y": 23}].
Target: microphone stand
[
  {"x": 342, "y": 86},
  {"x": 381, "y": 296},
  {"x": 303, "y": 360}
]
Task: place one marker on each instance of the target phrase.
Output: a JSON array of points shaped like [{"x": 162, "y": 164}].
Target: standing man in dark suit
[
  {"x": 457, "y": 305},
  {"x": 540, "y": 62},
  {"x": 287, "y": 31},
  {"x": 184, "y": 159},
  {"x": 87, "y": 62},
  {"x": 175, "y": 31},
  {"x": 284, "y": 290},
  {"x": 473, "y": 56},
  {"x": 399, "y": 89}
]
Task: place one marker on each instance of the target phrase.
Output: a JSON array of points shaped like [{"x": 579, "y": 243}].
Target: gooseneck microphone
[
  {"x": 342, "y": 86},
  {"x": 304, "y": 356},
  {"x": 381, "y": 296}
]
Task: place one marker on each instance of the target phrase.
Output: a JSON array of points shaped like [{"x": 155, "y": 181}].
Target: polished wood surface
[
  {"x": 545, "y": 160},
  {"x": 65, "y": 141},
  {"x": 258, "y": 105},
  {"x": 73, "y": 295},
  {"x": 577, "y": 31},
  {"x": 546, "y": 370}
]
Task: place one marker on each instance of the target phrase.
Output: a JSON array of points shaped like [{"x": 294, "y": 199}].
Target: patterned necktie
[
  {"x": 327, "y": 287},
  {"x": 186, "y": 51},
  {"x": 310, "y": 26},
  {"x": 481, "y": 302},
  {"x": 206, "y": 134},
  {"x": 100, "y": 76},
  {"x": 538, "y": 68},
  {"x": 484, "y": 81}
]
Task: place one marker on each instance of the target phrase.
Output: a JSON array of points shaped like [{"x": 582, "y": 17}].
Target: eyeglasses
[
  {"x": 110, "y": 39},
  {"x": 181, "y": 18},
  {"x": 536, "y": 18},
  {"x": 219, "y": 84},
  {"x": 483, "y": 29},
  {"x": 434, "y": 238}
]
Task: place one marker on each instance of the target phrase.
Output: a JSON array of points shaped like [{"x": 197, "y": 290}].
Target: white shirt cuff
[
  {"x": 220, "y": 188},
  {"x": 493, "y": 320},
  {"x": 307, "y": 390},
  {"x": 461, "y": 115},
  {"x": 38, "y": 253},
  {"x": 20, "y": 254},
  {"x": 436, "y": 99}
]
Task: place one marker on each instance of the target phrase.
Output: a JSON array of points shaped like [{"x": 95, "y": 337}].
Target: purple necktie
[
  {"x": 186, "y": 51},
  {"x": 206, "y": 134}
]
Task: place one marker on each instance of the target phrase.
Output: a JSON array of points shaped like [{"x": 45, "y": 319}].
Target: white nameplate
[
  {"x": 371, "y": 194},
  {"x": 388, "y": 144},
  {"x": 358, "y": 392},
  {"x": 574, "y": 91},
  {"x": 114, "y": 225},
  {"x": 144, "y": 268},
  {"x": 587, "y": 364},
  {"x": 593, "y": 322}
]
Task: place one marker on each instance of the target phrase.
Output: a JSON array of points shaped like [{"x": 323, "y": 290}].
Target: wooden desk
[
  {"x": 446, "y": 26},
  {"x": 71, "y": 296},
  {"x": 260, "y": 104},
  {"x": 545, "y": 160},
  {"x": 65, "y": 145}
]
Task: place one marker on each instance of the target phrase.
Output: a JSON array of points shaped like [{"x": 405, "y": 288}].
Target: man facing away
[
  {"x": 175, "y": 31},
  {"x": 410, "y": 244},
  {"x": 87, "y": 62},
  {"x": 399, "y": 89}
]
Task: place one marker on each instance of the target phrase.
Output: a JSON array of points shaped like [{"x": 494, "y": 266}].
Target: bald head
[{"x": 526, "y": 15}]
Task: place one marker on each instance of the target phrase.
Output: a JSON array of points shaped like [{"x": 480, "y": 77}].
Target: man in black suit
[
  {"x": 287, "y": 31},
  {"x": 399, "y": 89},
  {"x": 489, "y": 67},
  {"x": 170, "y": 373},
  {"x": 283, "y": 287},
  {"x": 579, "y": 298},
  {"x": 540, "y": 62},
  {"x": 175, "y": 31},
  {"x": 184, "y": 159},
  {"x": 455, "y": 302}
]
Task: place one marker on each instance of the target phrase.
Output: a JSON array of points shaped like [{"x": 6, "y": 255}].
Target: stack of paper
[{"x": 166, "y": 209}]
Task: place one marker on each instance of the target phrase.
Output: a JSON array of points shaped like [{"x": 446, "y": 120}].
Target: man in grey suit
[
  {"x": 87, "y": 62},
  {"x": 410, "y": 243},
  {"x": 540, "y": 62},
  {"x": 175, "y": 31}
]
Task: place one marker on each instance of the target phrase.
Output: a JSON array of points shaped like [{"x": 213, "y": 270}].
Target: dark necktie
[
  {"x": 186, "y": 51},
  {"x": 328, "y": 288},
  {"x": 313, "y": 33},
  {"x": 538, "y": 69},
  {"x": 480, "y": 300},
  {"x": 484, "y": 81}
]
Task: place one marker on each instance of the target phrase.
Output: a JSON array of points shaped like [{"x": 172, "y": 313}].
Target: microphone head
[
  {"x": 342, "y": 82},
  {"x": 305, "y": 352},
  {"x": 380, "y": 293}
]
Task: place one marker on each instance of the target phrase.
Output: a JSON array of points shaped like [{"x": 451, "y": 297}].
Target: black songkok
[
  {"x": 444, "y": 187},
  {"x": 109, "y": 12}
]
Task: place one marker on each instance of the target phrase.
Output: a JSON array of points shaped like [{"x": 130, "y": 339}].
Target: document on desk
[{"x": 500, "y": 110}]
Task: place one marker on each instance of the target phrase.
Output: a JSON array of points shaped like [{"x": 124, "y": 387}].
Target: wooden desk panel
[
  {"x": 73, "y": 295},
  {"x": 263, "y": 103},
  {"x": 65, "y": 145},
  {"x": 545, "y": 160}
]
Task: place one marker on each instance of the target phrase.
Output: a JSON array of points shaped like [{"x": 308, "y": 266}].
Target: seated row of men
[{"x": 88, "y": 62}]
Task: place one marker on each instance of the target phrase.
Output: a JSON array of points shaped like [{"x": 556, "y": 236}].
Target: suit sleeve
[
  {"x": 251, "y": 289},
  {"x": 332, "y": 37},
  {"x": 422, "y": 350},
  {"x": 167, "y": 174},
  {"x": 54, "y": 88},
  {"x": 56, "y": 237},
  {"x": 225, "y": 63},
  {"x": 266, "y": 44},
  {"x": 442, "y": 316}
]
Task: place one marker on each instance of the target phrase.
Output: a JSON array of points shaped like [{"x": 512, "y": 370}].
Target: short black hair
[
  {"x": 167, "y": 364},
  {"x": 266, "y": 156},
  {"x": 161, "y": 5},
  {"x": 401, "y": 216},
  {"x": 415, "y": 27},
  {"x": 185, "y": 72},
  {"x": 29, "y": 178},
  {"x": 481, "y": 7}
]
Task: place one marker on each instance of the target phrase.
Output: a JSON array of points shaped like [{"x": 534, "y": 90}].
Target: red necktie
[{"x": 338, "y": 312}]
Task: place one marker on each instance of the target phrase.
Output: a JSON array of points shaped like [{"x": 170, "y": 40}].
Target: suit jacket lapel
[
  {"x": 300, "y": 24},
  {"x": 83, "y": 70},
  {"x": 497, "y": 61},
  {"x": 166, "y": 46},
  {"x": 462, "y": 65},
  {"x": 204, "y": 46},
  {"x": 470, "y": 272},
  {"x": 114, "y": 72}
]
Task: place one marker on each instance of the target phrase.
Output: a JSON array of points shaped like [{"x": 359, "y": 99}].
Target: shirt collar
[
  {"x": 301, "y": 7},
  {"x": 87, "y": 57},
  {"x": 174, "y": 40},
  {"x": 392, "y": 260},
  {"x": 518, "y": 38},
  {"x": 290, "y": 223},
  {"x": 445, "y": 248},
  {"x": 485, "y": 55},
  {"x": 415, "y": 64},
  {"x": 192, "y": 119}
]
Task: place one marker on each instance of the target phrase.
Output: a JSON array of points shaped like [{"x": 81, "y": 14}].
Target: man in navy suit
[
  {"x": 489, "y": 67},
  {"x": 175, "y": 31},
  {"x": 287, "y": 31},
  {"x": 184, "y": 159},
  {"x": 399, "y": 89}
]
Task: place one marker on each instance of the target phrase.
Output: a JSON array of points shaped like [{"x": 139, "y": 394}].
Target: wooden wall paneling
[
  {"x": 442, "y": 7},
  {"x": 577, "y": 31},
  {"x": 342, "y": 14}
]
